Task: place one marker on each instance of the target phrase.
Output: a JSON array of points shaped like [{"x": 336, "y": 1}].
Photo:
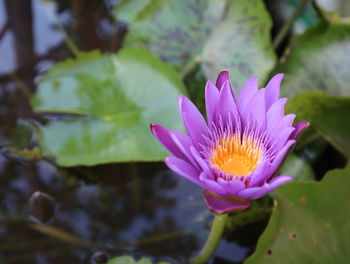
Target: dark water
[{"x": 84, "y": 215}]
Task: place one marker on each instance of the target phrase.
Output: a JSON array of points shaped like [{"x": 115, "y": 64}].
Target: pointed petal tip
[
  {"x": 152, "y": 125},
  {"x": 303, "y": 124},
  {"x": 154, "y": 128},
  {"x": 224, "y": 73},
  {"x": 181, "y": 98},
  {"x": 182, "y": 104},
  {"x": 279, "y": 76},
  {"x": 299, "y": 128},
  {"x": 278, "y": 181},
  {"x": 222, "y": 77},
  {"x": 276, "y": 80},
  {"x": 224, "y": 204},
  {"x": 209, "y": 84},
  {"x": 254, "y": 79},
  {"x": 273, "y": 89},
  {"x": 158, "y": 130}
]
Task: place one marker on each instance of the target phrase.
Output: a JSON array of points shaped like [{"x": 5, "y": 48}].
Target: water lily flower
[{"x": 236, "y": 153}]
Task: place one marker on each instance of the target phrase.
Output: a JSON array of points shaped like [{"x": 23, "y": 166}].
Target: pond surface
[{"x": 50, "y": 214}]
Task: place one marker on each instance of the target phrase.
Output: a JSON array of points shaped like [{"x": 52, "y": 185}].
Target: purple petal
[
  {"x": 275, "y": 113},
  {"x": 273, "y": 184},
  {"x": 231, "y": 187},
  {"x": 260, "y": 174},
  {"x": 184, "y": 143},
  {"x": 195, "y": 154},
  {"x": 285, "y": 122},
  {"x": 194, "y": 121},
  {"x": 256, "y": 114},
  {"x": 246, "y": 94},
  {"x": 282, "y": 138},
  {"x": 183, "y": 168},
  {"x": 208, "y": 183},
  {"x": 277, "y": 181},
  {"x": 227, "y": 109},
  {"x": 249, "y": 192},
  {"x": 281, "y": 155},
  {"x": 288, "y": 120},
  {"x": 299, "y": 127},
  {"x": 273, "y": 90},
  {"x": 207, "y": 175},
  {"x": 222, "y": 78},
  {"x": 224, "y": 204},
  {"x": 211, "y": 102},
  {"x": 258, "y": 192},
  {"x": 163, "y": 135}
]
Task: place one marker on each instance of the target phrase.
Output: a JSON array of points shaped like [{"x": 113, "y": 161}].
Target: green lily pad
[
  {"x": 307, "y": 105},
  {"x": 111, "y": 101},
  {"x": 319, "y": 59},
  {"x": 218, "y": 34},
  {"x": 309, "y": 223},
  {"x": 131, "y": 260},
  {"x": 334, "y": 126},
  {"x": 327, "y": 114}
]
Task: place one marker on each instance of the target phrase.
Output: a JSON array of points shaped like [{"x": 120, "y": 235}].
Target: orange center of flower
[{"x": 236, "y": 155}]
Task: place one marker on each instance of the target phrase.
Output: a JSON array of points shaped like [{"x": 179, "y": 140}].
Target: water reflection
[
  {"x": 103, "y": 216},
  {"x": 163, "y": 217}
]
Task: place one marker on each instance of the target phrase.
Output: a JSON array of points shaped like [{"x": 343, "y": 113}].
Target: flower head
[{"x": 236, "y": 153}]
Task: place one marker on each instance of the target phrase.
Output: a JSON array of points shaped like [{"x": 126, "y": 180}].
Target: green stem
[
  {"x": 285, "y": 28},
  {"x": 68, "y": 41},
  {"x": 214, "y": 238},
  {"x": 319, "y": 11}
]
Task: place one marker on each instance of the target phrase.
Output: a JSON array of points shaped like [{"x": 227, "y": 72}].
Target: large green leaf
[
  {"x": 328, "y": 114},
  {"x": 319, "y": 59},
  {"x": 114, "y": 98},
  {"x": 220, "y": 34},
  {"x": 309, "y": 104},
  {"x": 334, "y": 126},
  {"x": 309, "y": 223}
]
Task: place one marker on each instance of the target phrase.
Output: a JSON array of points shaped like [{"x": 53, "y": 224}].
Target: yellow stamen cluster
[{"x": 236, "y": 155}]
